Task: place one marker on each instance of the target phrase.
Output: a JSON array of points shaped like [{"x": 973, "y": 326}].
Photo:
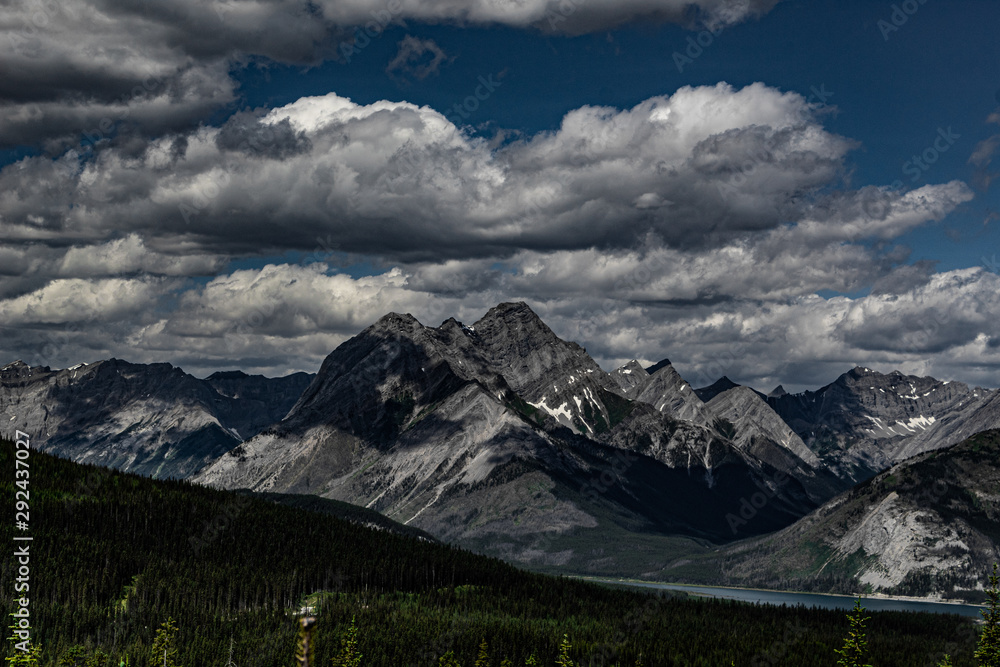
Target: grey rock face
[
  {"x": 866, "y": 421},
  {"x": 925, "y": 527},
  {"x": 722, "y": 384},
  {"x": 662, "y": 387},
  {"x": 150, "y": 419},
  {"x": 498, "y": 434},
  {"x": 553, "y": 375}
]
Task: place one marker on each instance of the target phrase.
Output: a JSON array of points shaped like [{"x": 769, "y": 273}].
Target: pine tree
[
  {"x": 31, "y": 658},
  {"x": 75, "y": 656},
  {"x": 532, "y": 661},
  {"x": 304, "y": 648},
  {"x": 164, "y": 653},
  {"x": 483, "y": 659},
  {"x": 855, "y": 648},
  {"x": 564, "y": 660},
  {"x": 945, "y": 661},
  {"x": 449, "y": 660},
  {"x": 349, "y": 655},
  {"x": 988, "y": 651},
  {"x": 98, "y": 658},
  {"x": 506, "y": 662},
  {"x": 19, "y": 657}
]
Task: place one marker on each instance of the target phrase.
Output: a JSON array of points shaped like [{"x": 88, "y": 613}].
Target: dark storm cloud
[
  {"x": 243, "y": 132},
  {"x": 87, "y": 66}
]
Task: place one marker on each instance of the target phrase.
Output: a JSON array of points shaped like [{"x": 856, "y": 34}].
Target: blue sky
[
  {"x": 940, "y": 69},
  {"x": 211, "y": 224}
]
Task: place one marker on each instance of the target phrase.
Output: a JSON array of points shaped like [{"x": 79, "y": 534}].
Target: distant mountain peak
[
  {"x": 657, "y": 366},
  {"x": 513, "y": 312},
  {"x": 722, "y": 384},
  {"x": 777, "y": 391},
  {"x": 227, "y": 375},
  {"x": 402, "y": 322},
  {"x": 632, "y": 367},
  {"x": 631, "y": 377}
]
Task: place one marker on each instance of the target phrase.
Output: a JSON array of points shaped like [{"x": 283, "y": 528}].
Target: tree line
[{"x": 116, "y": 556}]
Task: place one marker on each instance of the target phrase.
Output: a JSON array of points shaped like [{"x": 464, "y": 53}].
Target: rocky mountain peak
[
  {"x": 227, "y": 375},
  {"x": 652, "y": 370},
  {"x": 706, "y": 394},
  {"x": 777, "y": 391},
  {"x": 403, "y": 323},
  {"x": 19, "y": 372},
  {"x": 631, "y": 378},
  {"x": 515, "y": 320}
]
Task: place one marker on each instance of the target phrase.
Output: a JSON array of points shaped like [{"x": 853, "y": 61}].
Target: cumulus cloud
[
  {"x": 86, "y": 66},
  {"x": 72, "y": 301},
  {"x": 697, "y": 168},
  {"x": 130, "y": 255},
  {"x": 569, "y": 16},
  {"x": 697, "y": 226},
  {"x": 282, "y": 318}
]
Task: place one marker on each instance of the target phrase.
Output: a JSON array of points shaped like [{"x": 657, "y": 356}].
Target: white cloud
[
  {"x": 403, "y": 181},
  {"x": 104, "y": 67},
  {"x": 77, "y": 300}
]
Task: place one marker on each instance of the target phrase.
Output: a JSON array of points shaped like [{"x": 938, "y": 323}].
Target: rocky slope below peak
[
  {"x": 153, "y": 419},
  {"x": 929, "y": 526},
  {"x": 866, "y": 421},
  {"x": 669, "y": 393},
  {"x": 706, "y": 394}
]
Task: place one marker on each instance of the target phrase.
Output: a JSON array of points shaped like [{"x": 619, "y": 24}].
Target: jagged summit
[
  {"x": 227, "y": 375},
  {"x": 631, "y": 378},
  {"x": 152, "y": 419},
  {"x": 396, "y": 322},
  {"x": 722, "y": 384},
  {"x": 652, "y": 370},
  {"x": 777, "y": 391}
]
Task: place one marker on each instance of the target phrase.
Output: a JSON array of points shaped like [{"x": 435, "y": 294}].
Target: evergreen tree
[
  {"x": 483, "y": 659},
  {"x": 98, "y": 658},
  {"x": 164, "y": 653},
  {"x": 449, "y": 660},
  {"x": 532, "y": 661},
  {"x": 349, "y": 655},
  {"x": 564, "y": 660},
  {"x": 945, "y": 661},
  {"x": 75, "y": 656},
  {"x": 855, "y": 651},
  {"x": 29, "y": 658},
  {"x": 506, "y": 662},
  {"x": 304, "y": 647},
  {"x": 988, "y": 651}
]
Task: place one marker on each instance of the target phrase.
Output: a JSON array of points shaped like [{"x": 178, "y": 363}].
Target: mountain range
[
  {"x": 153, "y": 419},
  {"x": 501, "y": 437}
]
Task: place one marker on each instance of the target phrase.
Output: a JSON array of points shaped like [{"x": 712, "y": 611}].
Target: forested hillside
[{"x": 115, "y": 555}]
